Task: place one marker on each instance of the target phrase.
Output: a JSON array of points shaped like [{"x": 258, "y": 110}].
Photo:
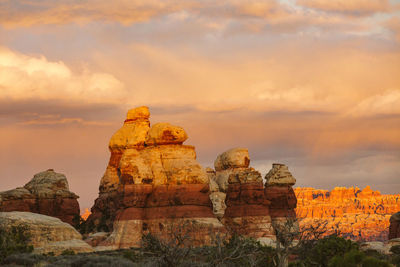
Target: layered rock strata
[
  {"x": 153, "y": 184},
  {"x": 47, "y": 193},
  {"x": 361, "y": 215},
  {"x": 247, "y": 209},
  {"x": 394, "y": 228},
  {"x": 48, "y": 234},
  {"x": 279, "y": 191}
]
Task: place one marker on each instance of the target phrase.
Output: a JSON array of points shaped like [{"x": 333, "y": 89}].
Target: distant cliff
[{"x": 358, "y": 214}]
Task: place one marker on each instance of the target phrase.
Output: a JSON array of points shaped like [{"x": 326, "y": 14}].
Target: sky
[{"x": 314, "y": 84}]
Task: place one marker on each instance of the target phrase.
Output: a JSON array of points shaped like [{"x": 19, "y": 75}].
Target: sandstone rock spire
[
  {"x": 279, "y": 191},
  {"x": 152, "y": 182},
  {"x": 247, "y": 209}
]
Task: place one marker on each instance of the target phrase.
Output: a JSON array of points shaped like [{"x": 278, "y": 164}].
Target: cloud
[
  {"x": 26, "y": 13},
  {"x": 252, "y": 14},
  {"x": 383, "y": 104},
  {"x": 35, "y": 77},
  {"x": 353, "y": 7},
  {"x": 393, "y": 25}
]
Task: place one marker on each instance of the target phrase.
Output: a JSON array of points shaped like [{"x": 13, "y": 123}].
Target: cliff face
[
  {"x": 359, "y": 214},
  {"x": 47, "y": 193}
]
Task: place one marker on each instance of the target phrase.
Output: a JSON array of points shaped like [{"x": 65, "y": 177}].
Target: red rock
[
  {"x": 247, "y": 210},
  {"x": 283, "y": 201},
  {"x": 359, "y": 214},
  {"x": 47, "y": 193},
  {"x": 394, "y": 228},
  {"x": 151, "y": 183}
]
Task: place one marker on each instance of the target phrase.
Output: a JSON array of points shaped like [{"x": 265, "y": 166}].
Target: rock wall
[
  {"x": 394, "y": 228},
  {"x": 153, "y": 184},
  {"x": 47, "y": 193},
  {"x": 361, "y": 215}
]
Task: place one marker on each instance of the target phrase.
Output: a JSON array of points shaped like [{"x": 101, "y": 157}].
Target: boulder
[
  {"x": 47, "y": 193},
  {"x": 165, "y": 134},
  {"x": 394, "y": 228},
  {"x": 48, "y": 234},
  {"x": 279, "y": 175},
  {"x": 375, "y": 245},
  {"x": 233, "y": 158}
]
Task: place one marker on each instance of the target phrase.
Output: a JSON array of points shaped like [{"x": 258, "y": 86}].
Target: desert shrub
[
  {"x": 170, "y": 252},
  {"x": 14, "y": 240},
  {"x": 24, "y": 259},
  {"x": 92, "y": 260},
  {"x": 355, "y": 258},
  {"x": 323, "y": 250},
  {"x": 68, "y": 252},
  {"x": 238, "y": 251},
  {"x": 131, "y": 255}
]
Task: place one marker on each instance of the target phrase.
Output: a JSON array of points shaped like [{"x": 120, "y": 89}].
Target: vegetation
[
  {"x": 14, "y": 240},
  {"x": 294, "y": 248}
]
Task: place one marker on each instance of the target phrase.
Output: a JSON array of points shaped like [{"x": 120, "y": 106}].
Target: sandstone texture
[
  {"x": 279, "y": 191},
  {"x": 246, "y": 210},
  {"x": 361, "y": 215},
  {"x": 152, "y": 184},
  {"x": 394, "y": 228},
  {"x": 47, "y": 193},
  {"x": 48, "y": 234}
]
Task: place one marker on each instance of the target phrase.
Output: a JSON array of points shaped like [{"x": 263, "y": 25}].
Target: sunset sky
[{"x": 314, "y": 84}]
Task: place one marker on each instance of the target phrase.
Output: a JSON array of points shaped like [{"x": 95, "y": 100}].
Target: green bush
[
  {"x": 68, "y": 252},
  {"x": 14, "y": 240},
  {"x": 24, "y": 259},
  {"x": 323, "y": 250},
  {"x": 356, "y": 258}
]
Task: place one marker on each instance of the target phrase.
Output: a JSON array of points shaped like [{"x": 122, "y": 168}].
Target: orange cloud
[
  {"x": 355, "y": 7},
  {"x": 393, "y": 25}
]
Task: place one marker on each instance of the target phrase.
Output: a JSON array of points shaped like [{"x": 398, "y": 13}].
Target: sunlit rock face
[
  {"x": 152, "y": 184},
  {"x": 394, "y": 228},
  {"x": 47, "y": 193},
  {"x": 358, "y": 214}
]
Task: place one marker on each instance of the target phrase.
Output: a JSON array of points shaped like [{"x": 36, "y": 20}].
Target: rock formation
[
  {"x": 361, "y": 215},
  {"x": 152, "y": 184},
  {"x": 394, "y": 228},
  {"x": 48, "y": 234},
  {"x": 47, "y": 193},
  {"x": 279, "y": 191},
  {"x": 247, "y": 209}
]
